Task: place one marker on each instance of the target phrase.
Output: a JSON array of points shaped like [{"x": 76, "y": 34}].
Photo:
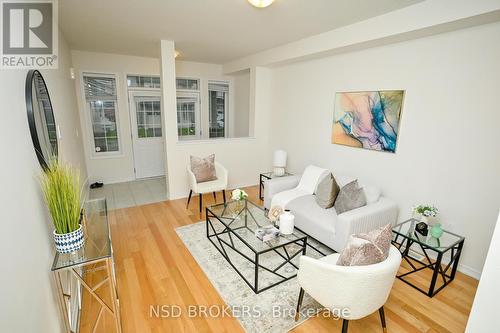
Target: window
[
  {"x": 188, "y": 116},
  {"x": 100, "y": 96},
  {"x": 218, "y": 93},
  {"x": 141, "y": 81},
  {"x": 187, "y": 84},
  {"x": 148, "y": 114}
]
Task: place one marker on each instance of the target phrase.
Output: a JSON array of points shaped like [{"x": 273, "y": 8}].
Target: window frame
[
  {"x": 142, "y": 75},
  {"x": 88, "y": 119},
  {"x": 199, "y": 116},
  {"x": 188, "y": 78},
  {"x": 135, "y": 127},
  {"x": 227, "y": 106}
]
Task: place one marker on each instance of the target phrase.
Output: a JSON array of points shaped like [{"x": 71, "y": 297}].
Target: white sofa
[{"x": 324, "y": 224}]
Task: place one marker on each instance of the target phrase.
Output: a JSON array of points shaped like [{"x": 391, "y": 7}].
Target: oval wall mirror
[{"x": 41, "y": 119}]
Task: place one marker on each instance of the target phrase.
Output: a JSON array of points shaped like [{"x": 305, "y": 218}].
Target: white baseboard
[{"x": 472, "y": 272}]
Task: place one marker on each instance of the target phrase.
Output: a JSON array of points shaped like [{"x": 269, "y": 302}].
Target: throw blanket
[{"x": 308, "y": 182}]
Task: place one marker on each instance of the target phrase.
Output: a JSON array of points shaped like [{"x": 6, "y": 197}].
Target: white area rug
[{"x": 271, "y": 310}]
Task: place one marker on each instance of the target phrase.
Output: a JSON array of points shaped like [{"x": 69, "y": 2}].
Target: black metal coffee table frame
[{"x": 223, "y": 244}]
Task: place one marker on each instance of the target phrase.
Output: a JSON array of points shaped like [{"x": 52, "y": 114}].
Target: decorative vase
[
  {"x": 436, "y": 230},
  {"x": 240, "y": 204},
  {"x": 70, "y": 242},
  {"x": 287, "y": 223},
  {"x": 424, "y": 219}
]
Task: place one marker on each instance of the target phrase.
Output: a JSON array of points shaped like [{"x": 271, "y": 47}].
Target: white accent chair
[
  {"x": 220, "y": 184},
  {"x": 360, "y": 289}
]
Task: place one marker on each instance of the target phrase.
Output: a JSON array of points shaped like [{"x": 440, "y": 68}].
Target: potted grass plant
[{"x": 62, "y": 193}]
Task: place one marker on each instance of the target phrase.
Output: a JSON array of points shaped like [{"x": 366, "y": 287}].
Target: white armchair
[
  {"x": 351, "y": 292},
  {"x": 220, "y": 184}
]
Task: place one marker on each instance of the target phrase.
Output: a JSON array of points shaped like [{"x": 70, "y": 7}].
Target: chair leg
[
  {"x": 201, "y": 205},
  {"x": 382, "y": 318},
  {"x": 189, "y": 198},
  {"x": 224, "y": 195},
  {"x": 345, "y": 324},
  {"x": 299, "y": 303},
  {"x": 215, "y": 197}
]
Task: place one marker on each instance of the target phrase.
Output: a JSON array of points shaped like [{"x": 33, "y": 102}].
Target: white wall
[
  {"x": 484, "y": 310},
  {"x": 112, "y": 169},
  {"x": 449, "y": 144},
  {"x": 28, "y": 302},
  {"x": 244, "y": 157},
  {"x": 120, "y": 168},
  {"x": 241, "y": 118},
  {"x": 63, "y": 98}
]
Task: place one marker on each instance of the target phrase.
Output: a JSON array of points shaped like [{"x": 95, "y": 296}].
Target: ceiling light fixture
[
  {"x": 261, "y": 3},
  {"x": 176, "y": 54}
]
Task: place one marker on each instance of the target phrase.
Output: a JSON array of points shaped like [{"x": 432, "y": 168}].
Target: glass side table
[
  {"x": 77, "y": 272},
  {"x": 268, "y": 175},
  {"x": 447, "y": 249}
]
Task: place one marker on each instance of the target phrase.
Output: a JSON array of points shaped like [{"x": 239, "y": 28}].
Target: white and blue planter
[{"x": 70, "y": 242}]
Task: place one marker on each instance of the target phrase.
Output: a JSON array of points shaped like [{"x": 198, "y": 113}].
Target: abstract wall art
[{"x": 368, "y": 119}]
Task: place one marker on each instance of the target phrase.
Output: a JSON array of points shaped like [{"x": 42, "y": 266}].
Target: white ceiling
[{"x": 214, "y": 31}]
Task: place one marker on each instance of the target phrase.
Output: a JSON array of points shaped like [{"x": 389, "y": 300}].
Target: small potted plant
[
  {"x": 239, "y": 196},
  {"x": 62, "y": 193},
  {"x": 428, "y": 215},
  {"x": 425, "y": 212}
]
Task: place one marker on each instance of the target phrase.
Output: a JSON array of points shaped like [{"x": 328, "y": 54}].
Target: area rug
[{"x": 271, "y": 310}]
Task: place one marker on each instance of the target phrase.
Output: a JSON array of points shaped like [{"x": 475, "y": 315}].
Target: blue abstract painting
[{"x": 368, "y": 119}]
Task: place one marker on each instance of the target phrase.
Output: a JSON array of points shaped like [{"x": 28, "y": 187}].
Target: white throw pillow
[{"x": 372, "y": 194}]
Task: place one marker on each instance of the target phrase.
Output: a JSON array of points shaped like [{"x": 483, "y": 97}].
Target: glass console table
[
  {"x": 91, "y": 270},
  {"x": 433, "y": 252}
]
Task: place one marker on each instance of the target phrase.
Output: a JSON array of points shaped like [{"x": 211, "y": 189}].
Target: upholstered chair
[
  {"x": 361, "y": 290},
  {"x": 220, "y": 184}
]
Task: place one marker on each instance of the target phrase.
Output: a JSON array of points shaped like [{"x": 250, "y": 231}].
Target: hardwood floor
[{"x": 153, "y": 267}]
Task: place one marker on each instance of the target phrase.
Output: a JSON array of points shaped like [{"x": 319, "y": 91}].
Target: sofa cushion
[
  {"x": 327, "y": 192},
  {"x": 315, "y": 221},
  {"x": 367, "y": 248},
  {"x": 372, "y": 193},
  {"x": 283, "y": 199},
  {"x": 351, "y": 196},
  {"x": 203, "y": 168}
]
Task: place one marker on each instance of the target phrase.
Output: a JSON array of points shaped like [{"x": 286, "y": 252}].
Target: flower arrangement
[
  {"x": 425, "y": 210},
  {"x": 239, "y": 195},
  {"x": 274, "y": 213}
]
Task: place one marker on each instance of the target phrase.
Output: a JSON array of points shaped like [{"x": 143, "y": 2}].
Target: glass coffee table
[
  {"x": 441, "y": 255},
  {"x": 262, "y": 265}
]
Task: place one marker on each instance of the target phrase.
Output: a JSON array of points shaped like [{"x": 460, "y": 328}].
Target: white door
[{"x": 147, "y": 133}]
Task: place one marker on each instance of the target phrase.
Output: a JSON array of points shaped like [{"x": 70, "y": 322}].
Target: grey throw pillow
[
  {"x": 367, "y": 249},
  {"x": 203, "y": 168},
  {"x": 351, "y": 196},
  {"x": 327, "y": 192}
]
